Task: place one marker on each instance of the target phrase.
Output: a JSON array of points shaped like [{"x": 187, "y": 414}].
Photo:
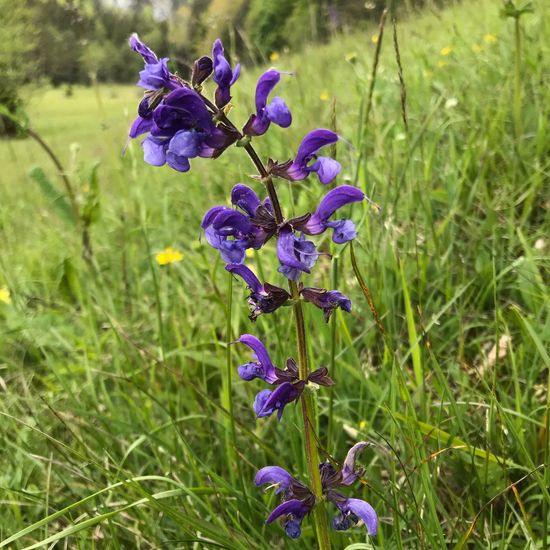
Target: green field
[{"x": 113, "y": 414}]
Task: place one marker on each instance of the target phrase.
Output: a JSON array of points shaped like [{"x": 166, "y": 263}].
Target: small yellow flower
[
  {"x": 274, "y": 56},
  {"x": 446, "y": 50},
  {"x": 324, "y": 96},
  {"x": 5, "y": 295},
  {"x": 476, "y": 48},
  {"x": 362, "y": 424},
  {"x": 374, "y": 39},
  {"x": 249, "y": 253},
  {"x": 489, "y": 38},
  {"x": 169, "y": 256},
  {"x": 442, "y": 63}
]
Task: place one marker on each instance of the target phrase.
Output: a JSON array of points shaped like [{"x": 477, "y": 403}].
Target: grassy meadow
[{"x": 114, "y": 411}]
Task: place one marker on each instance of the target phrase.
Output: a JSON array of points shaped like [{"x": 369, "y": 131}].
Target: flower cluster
[
  {"x": 178, "y": 124},
  {"x": 298, "y": 500},
  {"x": 289, "y": 387}
]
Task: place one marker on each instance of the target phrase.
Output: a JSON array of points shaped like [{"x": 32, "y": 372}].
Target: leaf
[
  {"x": 57, "y": 199},
  {"x": 91, "y": 210}
]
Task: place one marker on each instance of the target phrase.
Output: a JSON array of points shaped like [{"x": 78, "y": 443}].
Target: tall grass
[{"x": 113, "y": 431}]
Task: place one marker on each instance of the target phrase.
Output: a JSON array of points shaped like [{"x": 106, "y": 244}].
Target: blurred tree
[{"x": 16, "y": 63}]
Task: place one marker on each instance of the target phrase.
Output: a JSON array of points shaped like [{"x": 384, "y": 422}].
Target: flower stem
[{"x": 309, "y": 411}]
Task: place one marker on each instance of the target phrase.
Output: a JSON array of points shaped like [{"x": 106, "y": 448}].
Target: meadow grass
[{"x": 114, "y": 414}]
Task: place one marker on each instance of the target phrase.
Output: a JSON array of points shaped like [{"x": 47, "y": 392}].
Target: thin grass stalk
[
  {"x": 517, "y": 79},
  {"x": 227, "y": 394}
]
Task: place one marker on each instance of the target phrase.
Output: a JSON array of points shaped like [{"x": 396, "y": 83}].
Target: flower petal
[
  {"x": 274, "y": 475},
  {"x": 296, "y": 507},
  {"x": 154, "y": 151},
  {"x": 138, "y": 46},
  {"x": 312, "y": 142},
  {"x": 177, "y": 162},
  {"x": 279, "y": 113},
  {"x": 362, "y": 510},
  {"x": 265, "y": 85},
  {"x": 349, "y": 475},
  {"x": 245, "y": 198},
  {"x": 140, "y": 126},
  {"x": 327, "y": 169},
  {"x": 343, "y": 231},
  {"x": 332, "y": 201},
  {"x": 252, "y": 282},
  {"x": 259, "y": 404},
  {"x": 263, "y": 356},
  {"x": 186, "y": 143}
]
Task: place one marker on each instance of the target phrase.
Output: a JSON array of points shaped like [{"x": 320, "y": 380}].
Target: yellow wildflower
[
  {"x": 274, "y": 56},
  {"x": 446, "y": 50},
  {"x": 476, "y": 48},
  {"x": 374, "y": 39},
  {"x": 362, "y": 424},
  {"x": 5, "y": 295},
  {"x": 489, "y": 38},
  {"x": 324, "y": 96},
  {"x": 169, "y": 256},
  {"x": 249, "y": 253}
]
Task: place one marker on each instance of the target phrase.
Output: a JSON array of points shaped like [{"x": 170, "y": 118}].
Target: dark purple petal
[
  {"x": 252, "y": 282},
  {"x": 179, "y": 163},
  {"x": 181, "y": 109},
  {"x": 279, "y": 113},
  {"x": 138, "y": 46},
  {"x": 281, "y": 396},
  {"x": 268, "y": 370},
  {"x": 349, "y": 474},
  {"x": 236, "y": 74},
  {"x": 275, "y": 475},
  {"x": 332, "y": 201},
  {"x": 232, "y": 222},
  {"x": 186, "y": 143},
  {"x": 295, "y": 254},
  {"x": 245, "y": 198},
  {"x": 224, "y": 77},
  {"x": 362, "y": 510},
  {"x": 293, "y": 528},
  {"x": 327, "y": 169},
  {"x": 202, "y": 69},
  {"x": 154, "y": 150},
  {"x": 295, "y": 507},
  {"x": 327, "y": 300},
  {"x": 259, "y": 403},
  {"x": 211, "y": 215},
  {"x": 314, "y": 141},
  {"x": 343, "y": 231},
  {"x": 256, "y": 125},
  {"x": 265, "y": 85},
  {"x": 155, "y": 75},
  {"x": 140, "y": 126}
]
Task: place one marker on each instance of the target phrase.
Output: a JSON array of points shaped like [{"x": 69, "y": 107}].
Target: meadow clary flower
[
  {"x": 343, "y": 230},
  {"x": 155, "y": 75},
  {"x": 327, "y": 300},
  {"x": 298, "y": 500},
  {"x": 276, "y": 112},
  {"x": 224, "y": 76},
  {"x": 326, "y": 168},
  {"x": 180, "y": 128},
  {"x": 231, "y": 231},
  {"x": 288, "y": 386},
  {"x": 296, "y": 254},
  {"x": 264, "y": 298}
]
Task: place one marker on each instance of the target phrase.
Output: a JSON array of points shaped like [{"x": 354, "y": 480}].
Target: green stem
[
  {"x": 517, "y": 80},
  {"x": 309, "y": 411}
]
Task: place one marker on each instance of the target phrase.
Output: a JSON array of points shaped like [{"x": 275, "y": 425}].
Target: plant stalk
[{"x": 308, "y": 406}]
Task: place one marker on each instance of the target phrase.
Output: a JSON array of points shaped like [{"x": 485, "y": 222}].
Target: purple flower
[
  {"x": 232, "y": 232},
  {"x": 343, "y": 230},
  {"x": 224, "y": 76},
  {"x": 261, "y": 368},
  {"x": 288, "y": 388},
  {"x": 202, "y": 69},
  {"x": 325, "y": 167},
  {"x": 267, "y": 401},
  {"x": 155, "y": 75},
  {"x": 298, "y": 500},
  {"x": 295, "y": 254},
  {"x": 276, "y": 112},
  {"x": 264, "y": 298},
  {"x": 327, "y": 300}
]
